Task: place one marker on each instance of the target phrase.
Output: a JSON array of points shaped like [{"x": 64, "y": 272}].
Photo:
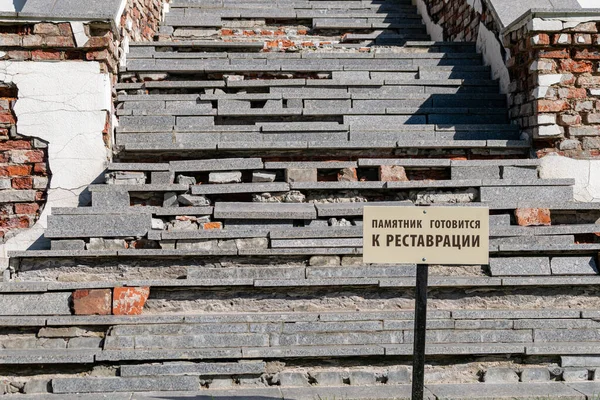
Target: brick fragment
[
  {"x": 92, "y": 302},
  {"x": 212, "y": 225},
  {"x": 586, "y": 54},
  {"x": 25, "y": 182},
  {"x": 552, "y": 105},
  {"x": 532, "y": 216},
  {"x": 46, "y": 28},
  {"x": 392, "y": 173},
  {"x": 569, "y": 65},
  {"x": 15, "y": 170},
  {"x": 129, "y": 300},
  {"x": 26, "y": 208}
]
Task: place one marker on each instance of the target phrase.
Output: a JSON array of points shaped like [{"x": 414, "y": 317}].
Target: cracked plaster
[
  {"x": 585, "y": 172},
  {"x": 64, "y": 104}
]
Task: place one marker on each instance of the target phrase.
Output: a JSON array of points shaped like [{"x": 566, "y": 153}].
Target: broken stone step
[
  {"x": 47, "y": 356},
  {"x": 354, "y": 209},
  {"x": 223, "y": 164},
  {"x": 111, "y": 225},
  {"x": 543, "y": 193},
  {"x": 212, "y": 234},
  {"x": 383, "y": 185},
  {"x": 316, "y": 282},
  {"x": 121, "y": 384},
  {"x": 443, "y": 282},
  {"x": 202, "y": 369},
  {"x": 180, "y": 354},
  {"x": 261, "y": 211},
  {"x": 138, "y": 167},
  {"x": 283, "y": 273},
  {"x": 488, "y": 391},
  {"x": 339, "y": 232},
  {"x": 314, "y": 251},
  {"x": 312, "y": 351},
  {"x": 248, "y": 46},
  {"x": 310, "y": 164},
  {"x": 365, "y": 271},
  {"x": 207, "y": 21},
  {"x": 323, "y": 242},
  {"x": 541, "y": 281},
  {"x": 458, "y": 349},
  {"x": 418, "y": 163},
  {"x": 240, "y": 188},
  {"x": 562, "y": 348}
]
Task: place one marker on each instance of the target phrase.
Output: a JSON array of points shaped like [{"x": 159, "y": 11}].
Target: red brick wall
[
  {"x": 459, "y": 20},
  {"x": 557, "y": 74},
  {"x": 24, "y": 171}
]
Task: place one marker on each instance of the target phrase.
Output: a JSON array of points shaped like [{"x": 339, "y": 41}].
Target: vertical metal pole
[{"x": 418, "y": 379}]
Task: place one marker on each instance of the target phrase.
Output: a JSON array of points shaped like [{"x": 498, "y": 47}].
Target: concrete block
[
  {"x": 301, "y": 175},
  {"x": 287, "y": 379},
  {"x": 225, "y": 177},
  {"x": 399, "y": 376},
  {"x": 192, "y": 200},
  {"x": 170, "y": 200},
  {"x": 263, "y": 176},
  {"x": 575, "y": 374},
  {"x": 529, "y": 375},
  {"x": 360, "y": 378},
  {"x": 318, "y": 261},
  {"x": 500, "y": 375},
  {"x": 328, "y": 378}
]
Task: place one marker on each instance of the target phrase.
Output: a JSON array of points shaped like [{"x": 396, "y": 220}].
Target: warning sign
[{"x": 426, "y": 235}]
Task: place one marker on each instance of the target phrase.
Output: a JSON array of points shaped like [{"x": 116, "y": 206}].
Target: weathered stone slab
[
  {"x": 555, "y": 390},
  {"x": 264, "y": 211},
  {"x": 110, "y": 199},
  {"x": 188, "y": 354},
  {"x": 241, "y": 188},
  {"x": 246, "y": 272},
  {"x": 35, "y": 304},
  {"x": 95, "y": 385},
  {"x": 580, "y": 361},
  {"x": 312, "y": 351},
  {"x": 109, "y": 225},
  {"x": 203, "y": 369},
  {"x": 354, "y": 209},
  {"x": 224, "y": 164},
  {"x": 521, "y": 193},
  {"x": 514, "y": 314},
  {"x": 573, "y": 266},
  {"x": 520, "y": 266},
  {"x": 47, "y": 356}
]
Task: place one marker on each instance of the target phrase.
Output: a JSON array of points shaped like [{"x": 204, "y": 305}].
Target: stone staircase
[{"x": 251, "y": 136}]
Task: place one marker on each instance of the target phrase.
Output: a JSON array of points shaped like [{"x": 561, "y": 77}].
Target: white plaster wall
[
  {"x": 491, "y": 51},
  {"x": 585, "y": 172},
  {"x": 11, "y": 5},
  {"x": 65, "y": 104},
  {"x": 589, "y": 3}
]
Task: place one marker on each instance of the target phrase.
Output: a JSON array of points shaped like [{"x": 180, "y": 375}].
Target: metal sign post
[
  {"x": 418, "y": 375},
  {"x": 424, "y": 236}
]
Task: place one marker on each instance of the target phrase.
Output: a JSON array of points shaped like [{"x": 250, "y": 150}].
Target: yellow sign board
[{"x": 426, "y": 235}]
